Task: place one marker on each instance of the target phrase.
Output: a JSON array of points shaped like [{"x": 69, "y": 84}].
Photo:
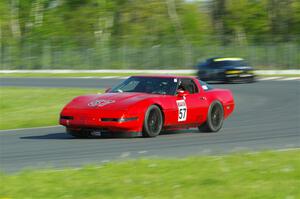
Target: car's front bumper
[
  {"x": 239, "y": 75},
  {"x": 108, "y": 120},
  {"x": 107, "y": 125}
]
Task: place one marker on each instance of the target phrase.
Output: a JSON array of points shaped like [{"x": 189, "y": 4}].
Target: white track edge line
[{"x": 32, "y": 128}]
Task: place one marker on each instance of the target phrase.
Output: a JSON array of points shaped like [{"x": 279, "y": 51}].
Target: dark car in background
[{"x": 225, "y": 69}]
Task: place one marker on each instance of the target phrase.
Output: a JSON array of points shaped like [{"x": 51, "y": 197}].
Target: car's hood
[{"x": 108, "y": 101}]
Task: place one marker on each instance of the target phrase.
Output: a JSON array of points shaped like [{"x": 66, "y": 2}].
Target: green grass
[
  {"x": 266, "y": 175},
  {"x": 34, "y": 107},
  {"x": 66, "y": 74}
]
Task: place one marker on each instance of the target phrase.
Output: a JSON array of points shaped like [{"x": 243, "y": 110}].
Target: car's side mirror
[
  {"x": 107, "y": 90},
  {"x": 182, "y": 93}
]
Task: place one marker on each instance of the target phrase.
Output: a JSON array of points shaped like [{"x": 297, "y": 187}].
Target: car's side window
[
  {"x": 188, "y": 85},
  {"x": 205, "y": 86}
]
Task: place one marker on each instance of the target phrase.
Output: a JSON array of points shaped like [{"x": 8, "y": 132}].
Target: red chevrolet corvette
[{"x": 145, "y": 105}]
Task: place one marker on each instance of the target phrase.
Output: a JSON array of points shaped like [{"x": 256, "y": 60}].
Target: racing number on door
[
  {"x": 182, "y": 114},
  {"x": 182, "y": 110}
]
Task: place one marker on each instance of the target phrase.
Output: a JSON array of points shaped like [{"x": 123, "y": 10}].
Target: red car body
[{"x": 125, "y": 111}]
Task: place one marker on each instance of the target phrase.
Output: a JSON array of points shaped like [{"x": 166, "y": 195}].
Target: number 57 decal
[{"x": 182, "y": 110}]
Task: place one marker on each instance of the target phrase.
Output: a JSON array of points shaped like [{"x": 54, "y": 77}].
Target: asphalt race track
[{"x": 267, "y": 116}]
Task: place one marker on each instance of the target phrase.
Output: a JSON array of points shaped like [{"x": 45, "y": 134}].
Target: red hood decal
[{"x": 101, "y": 102}]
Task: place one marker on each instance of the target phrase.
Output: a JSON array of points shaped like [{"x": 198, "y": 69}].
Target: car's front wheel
[
  {"x": 215, "y": 118},
  {"x": 78, "y": 133},
  {"x": 153, "y": 122}
]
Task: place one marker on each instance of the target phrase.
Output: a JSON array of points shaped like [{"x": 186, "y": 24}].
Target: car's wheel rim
[
  {"x": 216, "y": 116},
  {"x": 154, "y": 121}
]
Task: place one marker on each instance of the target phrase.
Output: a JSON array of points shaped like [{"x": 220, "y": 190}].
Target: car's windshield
[
  {"x": 229, "y": 63},
  {"x": 154, "y": 85}
]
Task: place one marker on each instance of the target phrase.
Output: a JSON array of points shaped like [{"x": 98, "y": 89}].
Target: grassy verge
[
  {"x": 67, "y": 74},
  {"x": 266, "y": 175},
  {"x": 33, "y": 107}
]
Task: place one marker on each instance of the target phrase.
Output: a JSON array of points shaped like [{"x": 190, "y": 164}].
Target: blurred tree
[
  {"x": 140, "y": 23},
  {"x": 35, "y": 33},
  {"x": 196, "y": 23},
  {"x": 248, "y": 21},
  {"x": 219, "y": 18},
  {"x": 281, "y": 16},
  {"x": 295, "y": 25}
]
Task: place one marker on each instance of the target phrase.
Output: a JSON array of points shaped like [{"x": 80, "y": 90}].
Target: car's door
[
  {"x": 192, "y": 107},
  {"x": 216, "y": 70}
]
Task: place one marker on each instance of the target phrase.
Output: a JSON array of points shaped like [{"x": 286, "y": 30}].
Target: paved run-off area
[{"x": 91, "y": 81}]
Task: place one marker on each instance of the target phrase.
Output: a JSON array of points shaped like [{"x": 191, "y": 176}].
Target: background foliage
[{"x": 94, "y": 34}]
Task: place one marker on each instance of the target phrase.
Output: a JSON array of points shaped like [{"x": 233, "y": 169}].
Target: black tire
[
  {"x": 240, "y": 80},
  {"x": 153, "y": 122},
  {"x": 215, "y": 118},
  {"x": 252, "y": 80},
  {"x": 78, "y": 133},
  {"x": 229, "y": 81}
]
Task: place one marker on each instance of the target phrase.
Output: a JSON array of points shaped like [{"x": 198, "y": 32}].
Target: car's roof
[{"x": 163, "y": 76}]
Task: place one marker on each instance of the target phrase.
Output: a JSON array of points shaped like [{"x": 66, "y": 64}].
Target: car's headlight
[
  {"x": 233, "y": 72},
  {"x": 122, "y": 119}
]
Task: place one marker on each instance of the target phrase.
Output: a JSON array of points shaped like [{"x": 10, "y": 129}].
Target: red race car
[{"x": 145, "y": 105}]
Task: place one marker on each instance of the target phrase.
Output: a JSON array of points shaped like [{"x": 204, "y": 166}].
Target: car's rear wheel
[
  {"x": 153, "y": 122},
  {"x": 215, "y": 118},
  {"x": 78, "y": 133},
  {"x": 252, "y": 80}
]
